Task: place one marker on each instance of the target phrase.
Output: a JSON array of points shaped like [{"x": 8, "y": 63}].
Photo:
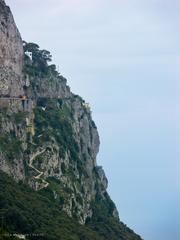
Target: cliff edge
[{"x": 49, "y": 141}]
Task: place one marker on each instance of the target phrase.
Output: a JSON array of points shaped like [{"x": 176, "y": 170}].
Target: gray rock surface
[
  {"x": 11, "y": 54},
  {"x": 64, "y": 149},
  {"x": 11, "y": 49}
]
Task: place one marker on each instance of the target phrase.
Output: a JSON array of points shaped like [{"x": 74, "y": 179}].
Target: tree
[
  {"x": 39, "y": 66},
  {"x": 46, "y": 55}
]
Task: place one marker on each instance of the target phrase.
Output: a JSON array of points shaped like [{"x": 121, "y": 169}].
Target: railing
[
  {"x": 14, "y": 98},
  {"x": 27, "y": 103}
]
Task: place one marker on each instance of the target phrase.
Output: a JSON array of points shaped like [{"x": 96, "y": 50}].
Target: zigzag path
[{"x": 40, "y": 174}]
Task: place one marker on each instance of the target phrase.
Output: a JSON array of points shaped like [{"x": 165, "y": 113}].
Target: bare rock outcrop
[{"x": 11, "y": 54}]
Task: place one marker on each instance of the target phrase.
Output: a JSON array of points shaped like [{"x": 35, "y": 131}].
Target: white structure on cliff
[{"x": 29, "y": 54}]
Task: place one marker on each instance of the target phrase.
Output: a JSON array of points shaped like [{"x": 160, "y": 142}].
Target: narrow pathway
[
  {"x": 40, "y": 174},
  {"x": 13, "y": 98}
]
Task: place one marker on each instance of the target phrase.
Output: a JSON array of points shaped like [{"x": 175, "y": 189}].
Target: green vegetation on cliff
[
  {"x": 29, "y": 212},
  {"x": 58, "y": 160},
  {"x": 10, "y": 144},
  {"x": 54, "y": 189},
  {"x": 40, "y": 58},
  {"x": 55, "y": 122}
]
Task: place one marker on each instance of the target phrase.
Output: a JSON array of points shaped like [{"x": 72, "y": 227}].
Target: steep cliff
[
  {"x": 11, "y": 54},
  {"x": 48, "y": 139}
]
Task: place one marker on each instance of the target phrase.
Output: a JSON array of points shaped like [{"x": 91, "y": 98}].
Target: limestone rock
[
  {"x": 11, "y": 54},
  {"x": 53, "y": 142}
]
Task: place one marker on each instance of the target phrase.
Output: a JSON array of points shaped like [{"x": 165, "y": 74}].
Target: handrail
[{"x": 14, "y": 98}]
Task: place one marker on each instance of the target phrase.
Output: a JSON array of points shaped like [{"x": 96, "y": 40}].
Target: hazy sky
[{"x": 123, "y": 57}]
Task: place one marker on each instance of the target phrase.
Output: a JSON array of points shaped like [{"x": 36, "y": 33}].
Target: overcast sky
[{"x": 123, "y": 57}]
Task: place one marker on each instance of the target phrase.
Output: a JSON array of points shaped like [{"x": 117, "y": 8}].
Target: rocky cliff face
[
  {"x": 52, "y": 141},
  {"x": 11, "y": 54},
  {"x": 47, "y": 136},
  {"x": 67, "y": 142}
]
